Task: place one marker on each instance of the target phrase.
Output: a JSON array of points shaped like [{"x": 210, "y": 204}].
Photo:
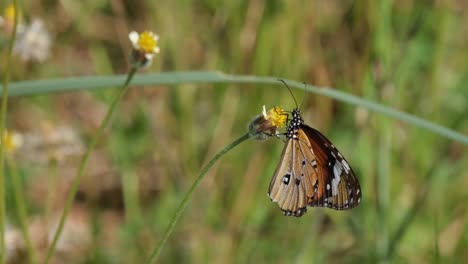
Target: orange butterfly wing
[
  {"x": 338, "y": 186},
  {"x": 290, "y": 186}
]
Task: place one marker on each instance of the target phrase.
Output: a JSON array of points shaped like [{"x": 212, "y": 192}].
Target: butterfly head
[{"x": 294, "y": 124}]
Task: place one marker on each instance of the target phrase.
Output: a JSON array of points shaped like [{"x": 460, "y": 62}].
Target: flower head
[
  {"x": 265, "y": 125},
  {"x": 276, "y": 116},
  {"x": 8, "y": 19},
  {"x": 12, "y": 141},
  {"x": 145, "y": 46},
  {"x": 33, "y": 42},
  {"x": 10, "y": 12}
]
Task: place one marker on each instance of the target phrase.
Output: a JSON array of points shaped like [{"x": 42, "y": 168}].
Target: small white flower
[
  {"x": 145, "y": 46},
  {"x": 33, "y": 42}
]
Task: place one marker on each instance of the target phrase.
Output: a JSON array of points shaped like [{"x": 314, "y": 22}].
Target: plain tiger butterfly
[{"x": 312, "y": 172}]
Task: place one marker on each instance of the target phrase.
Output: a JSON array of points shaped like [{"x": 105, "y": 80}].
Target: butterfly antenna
[{"x": 289, "y": 89}]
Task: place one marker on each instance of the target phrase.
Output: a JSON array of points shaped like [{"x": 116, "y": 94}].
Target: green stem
[
  {"x": 130, "y": 196},
  {"x": 383, "y": 192},
  {"x": 157, "y": 251},
  {"x": 21, "y": 207},
  {"x": 51, "y": 188},
  {"x": 2, "y": 133},
  {"x": 418, "y": 204},
  {"x": 84, "y": 162}
]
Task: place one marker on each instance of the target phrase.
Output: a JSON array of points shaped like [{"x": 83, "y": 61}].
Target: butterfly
[{"x": 312, "y": 172}]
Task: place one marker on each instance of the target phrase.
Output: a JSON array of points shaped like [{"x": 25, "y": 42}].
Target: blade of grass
[
  {"x": 130, "y": 196},
  {"x": 383, "y": 192},
  {"x": 436, "y": 238},
  {"x": 51, "y": 188},
  {"x": 2, "y": 132},
  {"x": 420, "y": 199},
  {"x": 38, "y": 87},
  {"x": 21, "y": 208},
  {"x": 418, "y": 204},
  {"x": 157, "y": 251},
  {"x": 410, "y": 215},
  {"x": 383, "y": 43},
  {"x": 84, "y": 162}
]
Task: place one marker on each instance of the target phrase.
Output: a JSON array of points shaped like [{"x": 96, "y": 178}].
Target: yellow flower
[
  {"x": 148, "y": 41},
  {"x": 12, "y": 141},
  {"x": 264, "y": 126},
  {"x": 276, "y": 116},
  {"x": 145, "y": 46},
  {"x": 8, "y": 18},
  {"x": 10, "y": 13}
]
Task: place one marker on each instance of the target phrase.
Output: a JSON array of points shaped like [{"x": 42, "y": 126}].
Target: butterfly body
[{"x": 312, "y": 172}]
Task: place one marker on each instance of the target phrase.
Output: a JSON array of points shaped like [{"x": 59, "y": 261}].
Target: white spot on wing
[
  {"x": 334, "y": 187},
  {"x": 336, "y": 180},
  {"x": 337, "y": 170},
  {"x": 346, "y": 166},
  {"x": 314, "y": 163}
]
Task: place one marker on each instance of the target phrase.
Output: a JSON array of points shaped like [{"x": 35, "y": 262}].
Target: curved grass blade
[{"x": 37, "y": 87}]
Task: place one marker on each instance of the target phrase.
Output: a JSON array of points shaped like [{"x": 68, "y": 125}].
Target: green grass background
[{"x": 409, "y": 55}]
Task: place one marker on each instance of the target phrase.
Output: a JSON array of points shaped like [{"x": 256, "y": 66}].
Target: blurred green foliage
[{"x": 410, "y": 55}]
